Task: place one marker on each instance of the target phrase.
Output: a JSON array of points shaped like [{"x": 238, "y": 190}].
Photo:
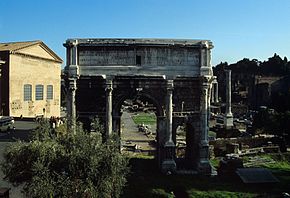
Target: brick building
[{"x": 30, "y": 80}]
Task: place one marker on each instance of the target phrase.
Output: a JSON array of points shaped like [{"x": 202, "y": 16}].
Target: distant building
[{"x": 30, "y": 80}]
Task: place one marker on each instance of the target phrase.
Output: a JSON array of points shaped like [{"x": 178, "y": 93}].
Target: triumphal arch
[{"x": 173, "y": 74}]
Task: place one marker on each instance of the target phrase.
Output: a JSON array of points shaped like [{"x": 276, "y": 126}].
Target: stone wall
[{"x": 33, "y": 71}]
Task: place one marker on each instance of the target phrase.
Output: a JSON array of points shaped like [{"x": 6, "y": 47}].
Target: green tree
[
  {"x": 274, "y": 66},
  {"x": 272, "y": 122},
  {"x": 66, "y": 165}
]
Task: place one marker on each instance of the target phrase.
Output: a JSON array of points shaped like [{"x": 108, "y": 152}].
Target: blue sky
[{"x": 238, "y": 28}]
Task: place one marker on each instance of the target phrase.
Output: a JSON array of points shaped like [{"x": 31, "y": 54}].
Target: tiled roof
[{"x": 16, "y": 45}]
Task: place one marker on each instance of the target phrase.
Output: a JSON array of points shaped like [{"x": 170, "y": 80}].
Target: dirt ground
[{"x": 130, "y": 136}]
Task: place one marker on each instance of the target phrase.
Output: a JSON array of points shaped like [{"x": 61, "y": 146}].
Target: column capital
[
  {"x": 73, "y": 71},
  {"x": 109, "y": 85},
  {"x": 206, "y": 78},
  {"x": 214, "y": 80},
  {"x": 74, "y": 43},
  {"x": 205, "y": 82},
  {"x": 169, "y": 85},
  {"x": 72, "y": 84}
]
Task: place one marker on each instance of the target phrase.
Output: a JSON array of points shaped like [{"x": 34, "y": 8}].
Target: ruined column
[
  {"x": 228, "y": 120},
  {"x": 71, "y": 105},
  {"x": 168, "y": 163},
  {"x": 109, "y": 109}
]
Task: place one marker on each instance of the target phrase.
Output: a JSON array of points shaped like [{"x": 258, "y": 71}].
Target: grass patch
[
  {"x": 279, "y": 166},
  {"x": 219, "y": 194},
  {"x": 215, "y": 162},
  {"x": 144, "y": 118},
  {"x": 140, "y": 156},
  {"x": 147, "y": 181},
  {"x": 212, "y": 134}
]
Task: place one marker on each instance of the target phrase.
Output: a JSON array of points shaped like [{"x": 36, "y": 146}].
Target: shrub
[{"x": 66, "y": 165}]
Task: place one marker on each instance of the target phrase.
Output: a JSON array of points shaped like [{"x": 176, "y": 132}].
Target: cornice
[{"x": 32, "y": 56}]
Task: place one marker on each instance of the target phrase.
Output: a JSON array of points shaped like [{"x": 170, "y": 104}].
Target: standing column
[
  {"x": 168, "y": 163},
  {"x": 74, "y": 53},
  {"x": 204, "y": 112},
  {"x": 169, "y": 113},
  {"x": 72, "y": 105},
  {"x": 204, "y": 166},
  {"x": 72, "y": 71},
  {"x": 212, "y": 93},
  {"x": 228, "y": 121},
  {"x": 216, "y": 92},
  {"x": 109, "y": 89}
]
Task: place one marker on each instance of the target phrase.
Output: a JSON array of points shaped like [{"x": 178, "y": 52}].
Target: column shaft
[
  {"x": 72, "y": 105},
  {"x": 228, "y": 93},
  {"x": 204, "y": 112},
  {"x": 169, "y": 112},
  {"x": 74, "y": 54},
  {"x": 109, "y": 109},
  {"x": 168, "y": 164},
  {"x": 212, "y": 93},
  {"x": 204, "y": 166},
  {"x": 216, "y": 93},
  {"x": 228, "y": 121}
]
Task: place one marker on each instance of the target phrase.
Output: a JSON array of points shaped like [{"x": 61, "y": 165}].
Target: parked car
[{"x": 6, "y": 123}]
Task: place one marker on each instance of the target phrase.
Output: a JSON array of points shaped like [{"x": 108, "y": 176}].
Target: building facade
[
  {"x": 174, "y": 75},
  {"x": 30, "y": 80}
]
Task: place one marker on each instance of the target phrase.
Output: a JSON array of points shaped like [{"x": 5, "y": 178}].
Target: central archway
[{"x": 146, "y": 97}]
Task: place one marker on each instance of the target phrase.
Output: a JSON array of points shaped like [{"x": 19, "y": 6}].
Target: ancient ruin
[
  {"x": 173, "y": 74},
  {"x": 228, "y": 120}
]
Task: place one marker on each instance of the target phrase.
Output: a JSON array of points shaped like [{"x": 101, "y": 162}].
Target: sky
[{"x": 238, "y": 28}]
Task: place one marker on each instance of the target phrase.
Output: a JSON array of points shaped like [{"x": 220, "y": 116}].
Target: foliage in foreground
[{"x": 67, "y": 165}]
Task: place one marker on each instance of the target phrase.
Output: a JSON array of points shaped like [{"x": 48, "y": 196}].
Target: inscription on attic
[{"x": 146, "y": 56}]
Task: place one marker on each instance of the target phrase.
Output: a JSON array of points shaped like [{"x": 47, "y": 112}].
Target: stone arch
[{"x": 117, "y": 104}]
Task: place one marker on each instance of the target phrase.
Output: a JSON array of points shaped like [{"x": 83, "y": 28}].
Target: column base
[
  {"x": 205, "y": 168},
  {"x": 203, "y": 164},
  {"x": 169, "y": 144},
  {"x": 228, "y": 121},
  {"x": 168, "y": 167}
]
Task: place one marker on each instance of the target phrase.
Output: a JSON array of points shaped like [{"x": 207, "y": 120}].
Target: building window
[
  {"x": 39, "y": 92},
  {"x": 49, "y": 92},
  {"x": 138, "y": 60},
  {"x": 27, "y": 92}
]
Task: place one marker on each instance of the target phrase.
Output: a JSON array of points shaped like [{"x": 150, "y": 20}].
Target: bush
[{"x": 66, "y": 165}]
